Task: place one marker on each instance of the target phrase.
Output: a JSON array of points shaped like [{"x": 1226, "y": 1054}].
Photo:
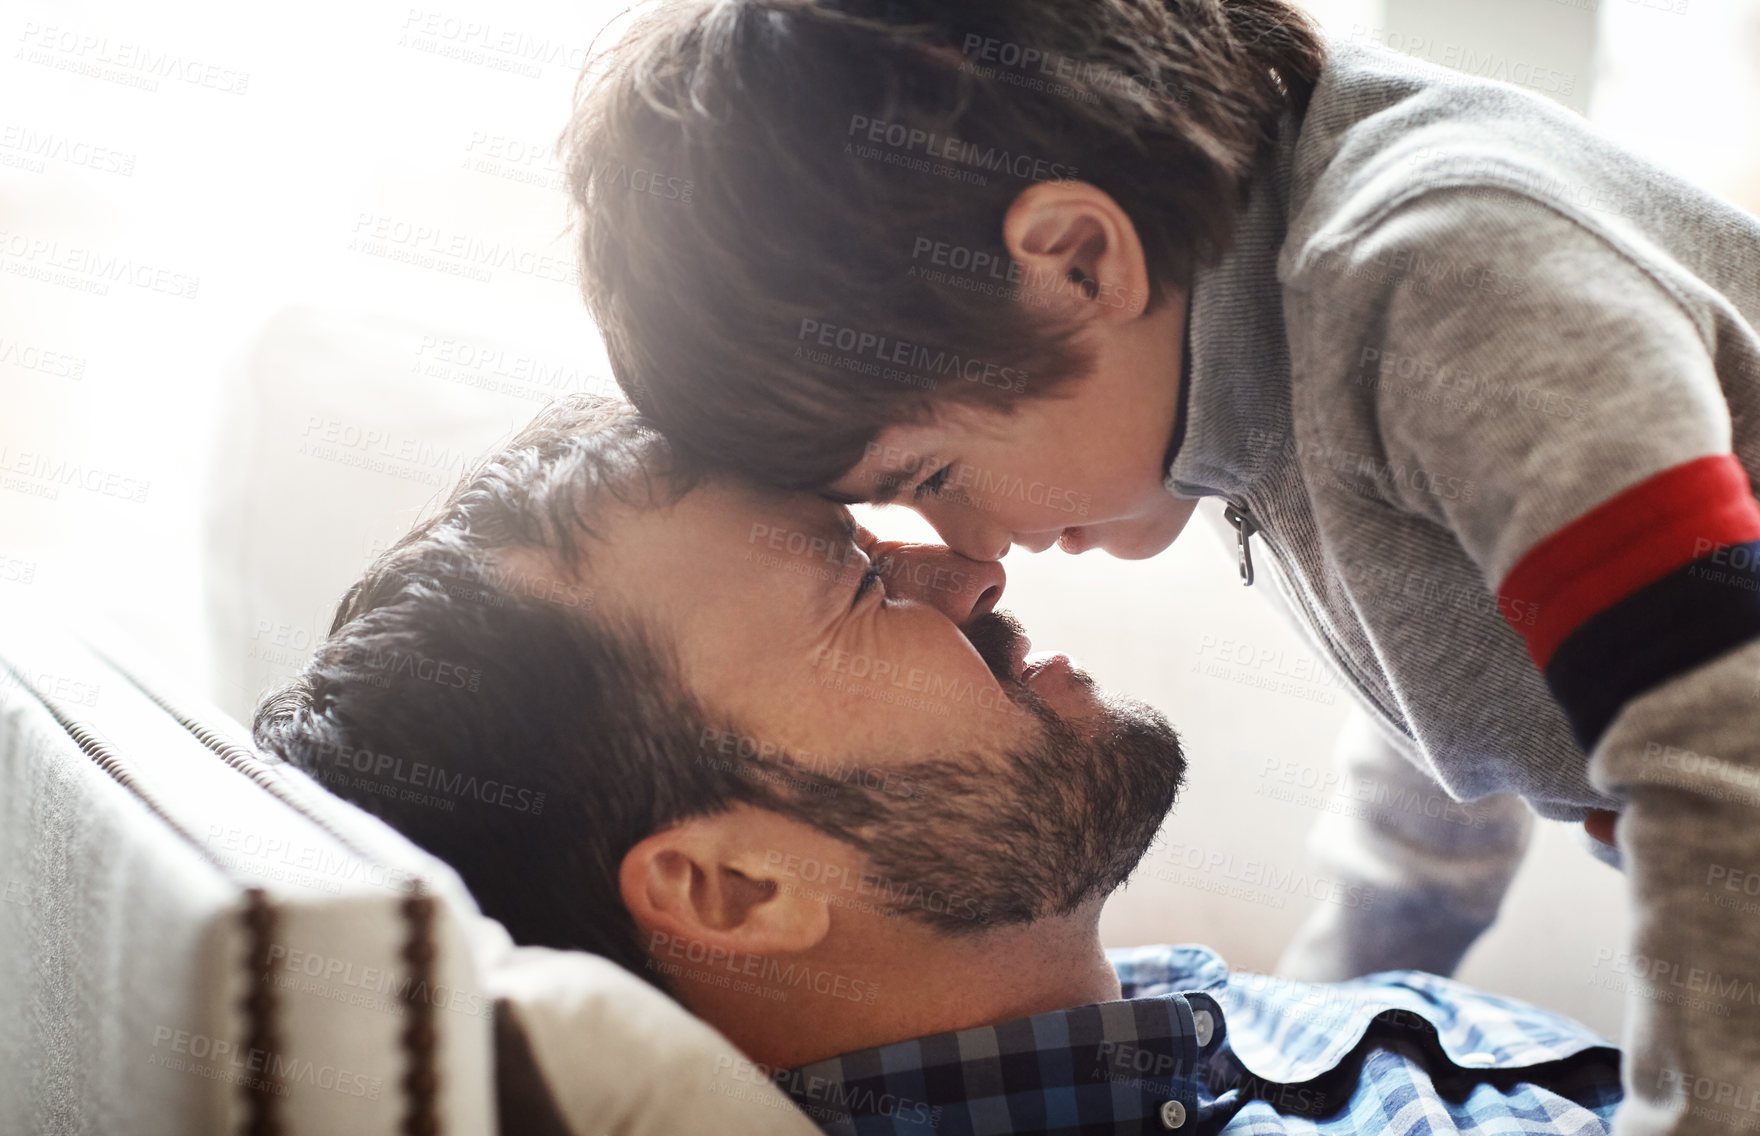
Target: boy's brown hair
[{"x": 791, "y": 210}]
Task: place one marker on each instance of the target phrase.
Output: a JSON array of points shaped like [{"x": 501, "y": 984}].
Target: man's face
[{"x": 998, "y": 772}]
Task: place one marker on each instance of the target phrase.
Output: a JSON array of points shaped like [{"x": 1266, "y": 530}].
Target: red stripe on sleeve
[{"x": 1632, "y": 540}]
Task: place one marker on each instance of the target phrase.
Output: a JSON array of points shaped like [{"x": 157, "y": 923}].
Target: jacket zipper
[
  {"x": 1244, "y": 527},
  {"x": 1240, "y": 515}
]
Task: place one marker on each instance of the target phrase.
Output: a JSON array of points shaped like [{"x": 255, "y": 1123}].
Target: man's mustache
[{"x": 997, "y": 635}]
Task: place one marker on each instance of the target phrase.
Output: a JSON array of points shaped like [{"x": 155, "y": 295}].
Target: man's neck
[{"x": 893, "y": 983}]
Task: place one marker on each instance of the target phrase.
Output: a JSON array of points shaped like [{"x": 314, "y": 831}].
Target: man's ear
[
  {"x": 720, "y": 880},
  {"x": 1076, "y": 244}
]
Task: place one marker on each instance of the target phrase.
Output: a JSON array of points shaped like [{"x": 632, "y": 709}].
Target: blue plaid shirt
[{"x": 1192, "y": 1048}]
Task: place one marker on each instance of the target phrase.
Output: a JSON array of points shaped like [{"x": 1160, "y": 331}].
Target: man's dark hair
[
  {"x": 473, "y": 695},
  {"x": 736, "y": 200}
]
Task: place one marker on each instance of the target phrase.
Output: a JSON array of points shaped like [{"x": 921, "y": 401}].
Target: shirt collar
[
  {"x": 1236, "y": 411},
  {"x": 1118, "y": 1062}
]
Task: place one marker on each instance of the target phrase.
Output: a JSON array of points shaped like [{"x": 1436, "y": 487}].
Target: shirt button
[
  {"x": 1204, "y": 1026},
  {"x": 1173, "y": 1114}
]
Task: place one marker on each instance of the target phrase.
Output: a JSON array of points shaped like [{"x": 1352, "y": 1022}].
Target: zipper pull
[{"x": 1245, "y": 526}]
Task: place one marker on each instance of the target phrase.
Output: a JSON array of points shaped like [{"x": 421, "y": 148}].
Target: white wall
[{"x": 172, "y": 174}]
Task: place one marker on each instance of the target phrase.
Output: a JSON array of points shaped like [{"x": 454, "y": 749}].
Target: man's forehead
[
  {"x": 530, "y": 573},
  {"x": 738, "y": 504},
  {"x": 724, "y": 563},
  {"x": 707, "y": 529}
]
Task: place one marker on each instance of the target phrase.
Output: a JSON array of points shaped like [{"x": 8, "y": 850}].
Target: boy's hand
[{"x": 1599, "y": 824}]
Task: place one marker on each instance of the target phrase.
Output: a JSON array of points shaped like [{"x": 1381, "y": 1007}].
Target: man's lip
[
  {"x": 1073, "y": 541},
  {"x": 1041, "y": 662}
]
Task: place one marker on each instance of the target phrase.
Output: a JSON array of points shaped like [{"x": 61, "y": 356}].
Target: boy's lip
[{"x": 1074, "y": 540}]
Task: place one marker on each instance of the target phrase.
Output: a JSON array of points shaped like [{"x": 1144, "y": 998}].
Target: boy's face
[{"x": 1082, "y": 469}]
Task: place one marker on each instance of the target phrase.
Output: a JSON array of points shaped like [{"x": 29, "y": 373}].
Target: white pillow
[{"x": 620, "y": 1058}]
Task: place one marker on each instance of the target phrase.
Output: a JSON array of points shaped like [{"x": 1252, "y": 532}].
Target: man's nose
[{"x": 960, "y": 587}]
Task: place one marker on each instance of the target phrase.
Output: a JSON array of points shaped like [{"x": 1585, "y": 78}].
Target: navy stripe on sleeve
[{"x": 1689, "y": 617}]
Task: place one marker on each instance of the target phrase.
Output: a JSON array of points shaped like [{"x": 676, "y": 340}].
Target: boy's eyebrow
[{"x": 885, "y": 492}]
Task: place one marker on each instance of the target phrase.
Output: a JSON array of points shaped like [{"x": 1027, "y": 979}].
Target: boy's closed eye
[{"x": 934, "y": 483}]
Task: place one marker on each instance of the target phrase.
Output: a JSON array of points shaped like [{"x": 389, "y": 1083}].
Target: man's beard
[{"x": 964, "y": 845}]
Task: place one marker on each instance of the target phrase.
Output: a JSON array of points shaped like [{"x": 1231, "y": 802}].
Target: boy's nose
[
  {"x": 969, "y": 533},
  {"x": 958, "y": 586}
]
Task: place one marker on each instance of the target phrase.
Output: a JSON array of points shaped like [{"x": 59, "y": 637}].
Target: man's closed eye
[{"x": 874, "y": 575}]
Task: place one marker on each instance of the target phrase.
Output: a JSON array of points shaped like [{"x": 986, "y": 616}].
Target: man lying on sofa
[{"x": 813, "y": 786}]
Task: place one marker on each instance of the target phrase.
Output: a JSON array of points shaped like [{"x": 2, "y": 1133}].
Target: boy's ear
[
  {"x": 1079, "y": 250},
  {"x": 720, "y": 881}
]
